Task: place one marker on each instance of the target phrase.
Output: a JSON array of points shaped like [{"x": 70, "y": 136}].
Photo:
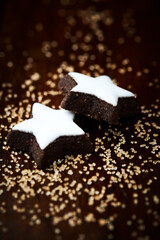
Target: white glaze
[
  {"x": 48, "y": 124},
  {"x": 102, "y": 87}
]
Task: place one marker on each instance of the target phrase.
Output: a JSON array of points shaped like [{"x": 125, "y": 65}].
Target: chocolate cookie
[
  {"x": 97, "y": 97},
  {"x": 49, "y": 135}
]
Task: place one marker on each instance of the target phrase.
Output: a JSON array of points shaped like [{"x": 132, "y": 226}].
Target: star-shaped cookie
[
  {"x": 48, "y": 135},
  {"x": 97, "y": 97}
]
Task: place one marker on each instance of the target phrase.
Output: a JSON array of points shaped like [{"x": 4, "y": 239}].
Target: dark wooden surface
[{"x": 115, "y": 192}]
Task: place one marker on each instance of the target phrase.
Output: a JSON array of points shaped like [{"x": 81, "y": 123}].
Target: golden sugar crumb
[
  {"x": 10, "y": 64},
  {"x": 39, "y": 27},
  {"x": 125, "y": 61},
  {"x": 35, "y": 76},
  {"x": 137, "y": 39},
  {"x": 156, "y": 199},
  {"x": 70, "y": 172},
  {"x": 121, "y": 70},
  {"x": 102, "y": 222},
  {"x": 121, "y": 40},
  {"x": 139, "y": 74},
  {"x": 90, "y": 217}
]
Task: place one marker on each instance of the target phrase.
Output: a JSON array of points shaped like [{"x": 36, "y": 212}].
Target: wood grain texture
[{"x": 113, "y": 193}]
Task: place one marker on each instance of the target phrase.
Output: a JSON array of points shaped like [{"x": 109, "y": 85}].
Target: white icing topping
[
  {"x": 48, "y": 124},
  {"x": 102, "y": 87}
]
